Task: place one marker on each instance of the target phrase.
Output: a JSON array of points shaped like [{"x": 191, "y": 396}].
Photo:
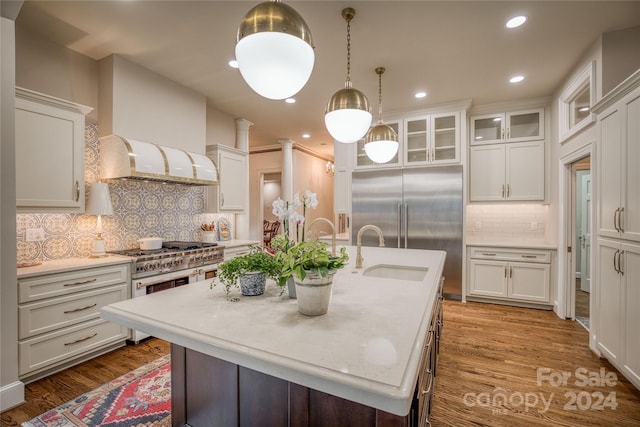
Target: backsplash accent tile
[
  {"x": 506, "y": 222},
  {"x": 140, "y": 209}
]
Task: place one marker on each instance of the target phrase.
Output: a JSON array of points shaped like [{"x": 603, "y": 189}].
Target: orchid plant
[{"x": 287, "y": 212}]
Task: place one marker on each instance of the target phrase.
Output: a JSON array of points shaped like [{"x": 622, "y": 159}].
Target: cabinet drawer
[
  {"x": 502, "y": 254},
  {"x": 57, "y": 347},
  {"x": 51, "y": 314},
  {"x": 57, "y": 284}
]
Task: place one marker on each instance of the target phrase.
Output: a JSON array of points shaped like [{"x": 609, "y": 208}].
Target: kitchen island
[{"x": 259, "y": 362}]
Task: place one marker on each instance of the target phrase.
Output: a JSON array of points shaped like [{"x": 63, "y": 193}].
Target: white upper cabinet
[
  {"x": 432, "y": 139},
  {"x": 229, "y": 195},
  {"x": 425, "y": 138},
  {"x": 618, "y": 175},
  {"x": 49, "y": 145},
  {"x": 515, "y": 126},
  {"x": 507, "y": 172}
]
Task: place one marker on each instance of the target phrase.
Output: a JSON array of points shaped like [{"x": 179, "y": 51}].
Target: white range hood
[{"x": 126, "y": 158}]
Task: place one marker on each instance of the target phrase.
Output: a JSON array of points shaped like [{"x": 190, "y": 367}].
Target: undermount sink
[{"x": 397, "y": 272}]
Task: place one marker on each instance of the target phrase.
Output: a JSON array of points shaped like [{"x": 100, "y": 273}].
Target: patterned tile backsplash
[
  {"x": 140, "y": 209},
  {"x": 506, "y": 222}
]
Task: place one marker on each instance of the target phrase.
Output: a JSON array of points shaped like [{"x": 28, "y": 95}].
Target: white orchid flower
[
  {"x": 311, "y": 199},
  {"x": 296, "y": 200},
  {"x": 279, "y": 208}
]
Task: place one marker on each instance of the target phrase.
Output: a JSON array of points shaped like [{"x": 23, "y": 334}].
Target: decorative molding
[
  {"x": 296, "y": 146},
  {"x": 586, "y": 78},
  {"x": 617, "y": 92},
  {"x": 526, "y": 104}
]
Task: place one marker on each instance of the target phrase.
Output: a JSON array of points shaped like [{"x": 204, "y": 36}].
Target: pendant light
[
  {"x": 274, "y": 50},
  {"x": 347, "y": 116},
  {"x": 381, "y": 142}
]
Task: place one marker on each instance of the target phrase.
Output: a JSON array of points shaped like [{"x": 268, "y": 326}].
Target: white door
[
  {"x": 487, "y": 176},
  {"x": 609, "y": 289},
  {"x": 585, "y": 234},
  {"x": 525, "y": 171}
]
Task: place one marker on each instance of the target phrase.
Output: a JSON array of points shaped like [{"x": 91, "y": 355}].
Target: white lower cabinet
[
  {"x": 59, "y": 320},
  {"x": 618, "y": 317},
  {"x": 517, "y": 275},
  {"x": 236, "y": 251}
]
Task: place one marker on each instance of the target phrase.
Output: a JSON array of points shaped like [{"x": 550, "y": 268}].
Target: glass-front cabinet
[
  {"x": 513, "y": 126},
  {"x": 432, "y": 139}
]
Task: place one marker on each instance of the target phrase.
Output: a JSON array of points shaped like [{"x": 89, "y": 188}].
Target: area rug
[{"x": 140, "y": 398}]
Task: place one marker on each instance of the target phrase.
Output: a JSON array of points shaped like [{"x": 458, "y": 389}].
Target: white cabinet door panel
[
  {"x": 610, "y": 298},
  {"x": 631, "y": 268},
  {"x": 529, "y": 281},
  {"x": 488, "y": 278},
  {"x": 487, "y": 177},
  {"x": 525, "y": 171}
]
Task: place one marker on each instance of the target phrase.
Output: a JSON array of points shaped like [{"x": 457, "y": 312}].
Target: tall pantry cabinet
[{"x": 618, "y": 227}]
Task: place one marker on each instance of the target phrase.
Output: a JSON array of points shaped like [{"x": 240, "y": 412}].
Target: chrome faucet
[
  {"x": 364, "y": 228},
  {"x": 333, "y": 232}
]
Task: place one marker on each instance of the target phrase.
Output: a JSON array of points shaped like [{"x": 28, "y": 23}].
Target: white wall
[
  {"x": 46, "y": 67},
  {"x": 11, "y": 390},
  {"x": 149, "y": 107},
  {"x": 221, "y": 128}
]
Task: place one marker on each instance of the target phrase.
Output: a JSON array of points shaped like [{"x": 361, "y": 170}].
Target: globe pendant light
[
  {"x": 381, "y": 142},
  {"x": 347, "y": 116},
  {"x": 274, "y": 50}
]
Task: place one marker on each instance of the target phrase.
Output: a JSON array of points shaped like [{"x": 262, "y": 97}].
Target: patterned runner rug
[{"x": 140, "y": 398}]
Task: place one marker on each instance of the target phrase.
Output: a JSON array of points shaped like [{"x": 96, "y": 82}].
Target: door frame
[
  {"x": 567, "y": 237},
  {"x": 261, "y": 174}
]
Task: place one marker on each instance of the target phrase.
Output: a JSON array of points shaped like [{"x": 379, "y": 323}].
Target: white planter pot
[{"x": 314, "y": 294}]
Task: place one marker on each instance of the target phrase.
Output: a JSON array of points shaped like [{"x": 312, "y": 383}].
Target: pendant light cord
[
  {"x": 348, "y": 15},
  {"x": 379, "y": 71}
]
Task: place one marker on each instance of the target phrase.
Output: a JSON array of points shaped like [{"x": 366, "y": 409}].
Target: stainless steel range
[{"x": 175, "y": 264}]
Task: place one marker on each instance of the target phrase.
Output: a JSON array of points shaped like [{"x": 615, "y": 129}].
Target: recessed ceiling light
[
  {"x": 420, "y": 94},
  {"x": 516, "y": 21},
  {"x": 516, "y": 79},
  {"x": 306, "y": 135},
  {"x": 290, "y": 101},
  {"x": 233, "y": 63}
]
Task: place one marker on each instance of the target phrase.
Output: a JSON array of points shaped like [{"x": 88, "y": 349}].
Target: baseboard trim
[{"x": 11, "y": 395}]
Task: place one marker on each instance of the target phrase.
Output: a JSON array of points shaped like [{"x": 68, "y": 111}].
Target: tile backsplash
[
  {"x": 140, "y": 209},
  {"x": 506, "y": 222}
]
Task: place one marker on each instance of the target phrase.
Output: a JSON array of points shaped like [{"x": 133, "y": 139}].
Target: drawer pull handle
[
  {"x": 488, "y": 254},
  {"x": 84, "y": 282},
  {"x": 81, "y": 339},
  {"x": 80, "y": 309},
  {"x": 428, "y": 344},
  {"x": 428, "y": 389},
  {"x": 529, "y": 256}
]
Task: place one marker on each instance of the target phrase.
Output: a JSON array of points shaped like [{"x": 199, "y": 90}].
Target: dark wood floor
[{"x": 486, "y": 350}]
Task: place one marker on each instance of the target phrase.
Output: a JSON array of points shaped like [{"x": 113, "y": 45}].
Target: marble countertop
[
  {"x": 66, "y": 264},
  {"x": 366, "y": 348},
  {"x": 513, "y": 243}
]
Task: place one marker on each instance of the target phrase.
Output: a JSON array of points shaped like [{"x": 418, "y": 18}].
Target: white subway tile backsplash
[{"x": 506, "y": 222}]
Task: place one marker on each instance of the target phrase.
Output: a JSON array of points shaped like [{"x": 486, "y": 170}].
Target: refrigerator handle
[
  {"x": 399, "y": 221},
  {"x": 406, "y": 226}
]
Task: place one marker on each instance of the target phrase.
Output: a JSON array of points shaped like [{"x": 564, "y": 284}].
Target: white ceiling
[{"x": 452, "y": 49}]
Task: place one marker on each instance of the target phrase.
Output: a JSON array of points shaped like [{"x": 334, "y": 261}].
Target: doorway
[{"x": 581, "y": 231}]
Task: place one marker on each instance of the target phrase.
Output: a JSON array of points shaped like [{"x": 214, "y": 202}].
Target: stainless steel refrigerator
[{"x": 417, "y": 208}]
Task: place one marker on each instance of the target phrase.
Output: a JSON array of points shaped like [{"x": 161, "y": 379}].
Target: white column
[
  {"x": 286, "y": 179},
  {"x": 287, "y": 169},
  {"x": 243, "y": 223}
]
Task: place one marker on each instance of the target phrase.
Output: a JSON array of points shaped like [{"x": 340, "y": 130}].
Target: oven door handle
[{"x": 141, "y": 284}]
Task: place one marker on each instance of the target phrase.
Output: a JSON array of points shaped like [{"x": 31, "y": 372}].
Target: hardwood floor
[
  {"x": 485, "y": 349},
  {"x": 58, "y": 388}
]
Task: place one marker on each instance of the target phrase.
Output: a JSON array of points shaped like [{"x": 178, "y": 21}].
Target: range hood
[{"x": 126, "y": 158}]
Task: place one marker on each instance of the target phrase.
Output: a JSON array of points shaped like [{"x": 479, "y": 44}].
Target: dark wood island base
[{"x": 207, "y": 391}]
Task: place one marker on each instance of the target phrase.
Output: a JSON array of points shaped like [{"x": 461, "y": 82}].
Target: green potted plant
[
  {"x": 312, "y": 268},
  {"x": 250, "y": 271}
]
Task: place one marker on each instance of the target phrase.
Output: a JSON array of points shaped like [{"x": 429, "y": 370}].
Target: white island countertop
[{"x": 365, "y": 349}]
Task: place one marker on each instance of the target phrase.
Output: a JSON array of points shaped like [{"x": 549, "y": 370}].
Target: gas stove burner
[
  {"x": 186, "y": 245},
  {"x": 141, "y": 252}
]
